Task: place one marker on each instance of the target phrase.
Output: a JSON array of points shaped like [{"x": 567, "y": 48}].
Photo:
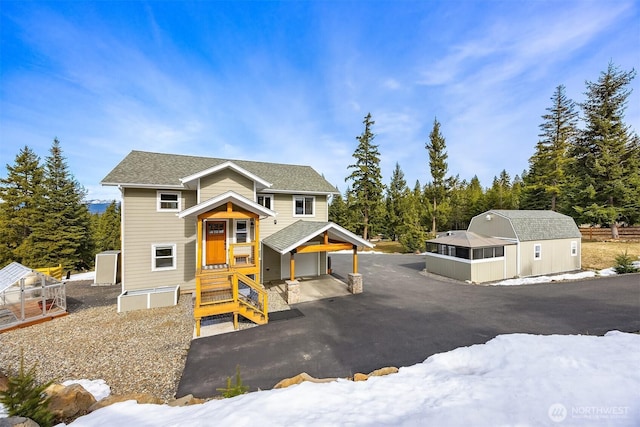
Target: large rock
[
  {"x": 384, "y": 371},
  {"x": 4, "y": 382},
  {"x": 138, "y": 397},
  {"x": 70, "y": 401},
  {"x": 186, "y": 401},
  {"x": 300, "y": 378},
  {"x": 17, "y": 422}
]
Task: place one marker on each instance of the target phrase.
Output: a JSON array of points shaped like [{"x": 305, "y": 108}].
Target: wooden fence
[
  {"x": 601, "y": 233},
  {"x": 55, "y": 272}
]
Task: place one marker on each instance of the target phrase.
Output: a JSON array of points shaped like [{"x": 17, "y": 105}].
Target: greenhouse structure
[{"x": 28, "y": 297}]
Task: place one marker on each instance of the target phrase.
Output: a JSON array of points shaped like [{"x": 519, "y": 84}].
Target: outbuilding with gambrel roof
[{"x": 501, "y": 244}]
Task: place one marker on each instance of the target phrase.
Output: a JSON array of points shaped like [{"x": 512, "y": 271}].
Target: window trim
[
  {"x": 159, "y": 207},
  {"x": 537, "y": 251},
  {"x": 574, "y": 248},
  {"x": 304, "y": 197},
  {"x": 247, "y": 230},
  {"x": 174, "y": 256},
  {"x": 266, "y": 196}
]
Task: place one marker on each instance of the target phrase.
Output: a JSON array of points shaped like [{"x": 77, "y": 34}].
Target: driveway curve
[{"x": 403, "y": 317}]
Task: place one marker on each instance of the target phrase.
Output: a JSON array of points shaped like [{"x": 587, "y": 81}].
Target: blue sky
[{"x": 292, "y": 81}]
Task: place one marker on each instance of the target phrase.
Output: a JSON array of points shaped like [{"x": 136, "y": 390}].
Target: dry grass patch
[{"x": 600, "y": 255}]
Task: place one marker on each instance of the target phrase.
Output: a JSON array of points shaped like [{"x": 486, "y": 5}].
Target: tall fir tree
[
  {"x": 604, "y": 155},
  {"x": 412, "y": 236},
  {"x": 63, "y": 234},
  {"x": 366, "y": 176},
  {"x": 546, "y": 180},
  {"x": 21, "y": 194},
  {"x": 395, "y": 193},
  {"x": 500, "y": 195},
  {"x": 107, "y": 228},
  {"x": 436, "y": 148},
  {"x": 338, "y": 210}
]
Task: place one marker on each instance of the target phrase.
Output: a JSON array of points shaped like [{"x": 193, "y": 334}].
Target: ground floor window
[
  {"x": 242, "y": 231},
  {"x": 537, "y": 251},
  {"x": 163, "y": 257},
  {"x": 574, "y": 248}
]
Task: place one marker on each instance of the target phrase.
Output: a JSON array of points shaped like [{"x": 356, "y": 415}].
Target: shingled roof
[
  {"x": 540, "y": 225},
  {"x": 300, "y": 231},
  {"x": 146, "y": 169}
]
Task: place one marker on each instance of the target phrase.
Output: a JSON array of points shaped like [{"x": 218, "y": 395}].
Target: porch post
[
  {"x": 292, "y": 265},
  {"x": 355, "y": 259},
  {"x": 199, "y": 246},
  {"x": 256, "y": 248}
]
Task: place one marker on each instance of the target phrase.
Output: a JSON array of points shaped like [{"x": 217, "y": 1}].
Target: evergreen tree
[
  {"x": 63, "y": 235},
  {"x": 547, "y": 175},
  {"x": 500, "y": 195},
  {"x": 338, "y": 210},
  {"x": 604, "y": 155},
  {"x": 475, "y": 200},
  {"x": 107, "y": 228},
  {"x": 395, "y": 193},
  {"x": 412, "y": 236},
  {"x": 354, "y": 218},
  {"x": 21, "y": 194},
  {"x": 366, "y": 176},
  {"x": 438, "y": 167}
]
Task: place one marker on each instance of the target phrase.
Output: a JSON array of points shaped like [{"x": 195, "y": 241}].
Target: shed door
[{"x": 216, "y": 242}]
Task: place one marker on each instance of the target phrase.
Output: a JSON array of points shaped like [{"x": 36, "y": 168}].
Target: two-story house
[{"x": 220, "y": 228}]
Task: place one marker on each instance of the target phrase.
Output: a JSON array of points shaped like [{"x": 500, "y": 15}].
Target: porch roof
[
  {"x": 301, "y": 231},
  {"x": 229, "y": 196},
  {"x": 469, "y": 239}
]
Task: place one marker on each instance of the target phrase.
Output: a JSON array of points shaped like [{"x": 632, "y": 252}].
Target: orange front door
[{"x": 216, "y": 242}]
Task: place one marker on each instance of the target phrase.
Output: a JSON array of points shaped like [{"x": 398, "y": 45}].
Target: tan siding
[
  {"x": 496, "y": 227},
  {"x": 143, "y": 227},
  {"x": 283, "y": 205},
  {"x": 555, "y": 257},
  {"x": 448, "y": 267},
  {"x": 223, "y": 181}
]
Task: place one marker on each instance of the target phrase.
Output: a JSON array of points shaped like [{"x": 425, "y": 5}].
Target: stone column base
[
  {"x": 354, "y": 284},
  {"x": 293, "y": 291}
]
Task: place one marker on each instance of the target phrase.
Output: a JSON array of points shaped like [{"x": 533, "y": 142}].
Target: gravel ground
[{"x": 140, "y": 351}]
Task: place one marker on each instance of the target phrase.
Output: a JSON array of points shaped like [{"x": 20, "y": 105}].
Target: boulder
[
  {"x": 360, "y": 377},
  {"x": 300, "y": 378},
  {"x": 17, "y": 422},
  {"x": 70, "y": 401},
  {"x": 384, "y": 371},
  {"x": 138, "y": 397},
  {"x": 4, "y": 382},
  {"x": 186, "y": 401}
]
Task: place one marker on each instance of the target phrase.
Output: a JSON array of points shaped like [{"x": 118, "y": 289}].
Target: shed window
[
  {"x": 574, "y": 248},
  {"x": 168, "y": 201},
  {"x": 537, "y": 251},
  {"x": 163, "y": 257}
]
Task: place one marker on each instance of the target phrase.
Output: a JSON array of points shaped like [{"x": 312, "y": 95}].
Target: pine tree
[
  {"x": 604, "y": 157},
  {"x": 366, "y": 176},
  {"x": 412, "y": 236},
  {"x": 500, "y": 195},
  {"x": 438, "y": 167},
  {"x": 21, "y": 194},
  {"x": 63, "y": 236},
  {"x": 475, "y": 198},
  {"x": 107, "y": 228},
  {"x": 338, "y": 210},
  {"x": 546, "y": 179},
  {"x": 395, "y": 193}
]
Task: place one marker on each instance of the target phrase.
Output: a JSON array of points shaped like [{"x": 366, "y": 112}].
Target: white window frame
[
  {"x": 159, "y": 195},
  {"x": 537, "y": 251},
  {"x": 174, "y": 257},
  {"x": 247, "y": 230},
  {"x": 313, "y": 206},
  {"x": 264, "y": 197},
  {"x": 574, "y": 248}
]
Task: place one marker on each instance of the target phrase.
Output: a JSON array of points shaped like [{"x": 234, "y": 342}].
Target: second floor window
[
  {"x": 265, "y": 200},
  {"x": 303, "y": 205},
  {"x": 168, "y": 201}
]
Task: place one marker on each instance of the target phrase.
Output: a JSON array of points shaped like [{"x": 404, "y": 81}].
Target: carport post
[
  {"x": 355, "y": 259},
  {"x": 292, "y": 265}
]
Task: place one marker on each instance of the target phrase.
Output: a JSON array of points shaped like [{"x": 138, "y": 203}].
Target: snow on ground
[
  {"x": 98, "y": 388},
  {"x": 516, "y": 379},
  {"x": 559, "y": 277},
  {"x": 89, "y": 275}
]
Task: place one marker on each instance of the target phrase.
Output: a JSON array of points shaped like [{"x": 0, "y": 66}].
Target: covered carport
[{"x": 303, "y": 249}]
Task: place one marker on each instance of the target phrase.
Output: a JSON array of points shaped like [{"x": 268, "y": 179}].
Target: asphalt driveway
[{"x": 403, "y": 317}]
